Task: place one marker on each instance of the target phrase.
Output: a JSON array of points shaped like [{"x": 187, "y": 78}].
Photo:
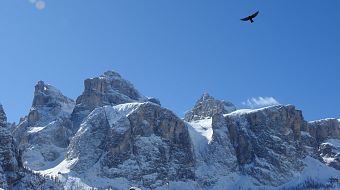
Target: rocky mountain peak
[
  {"x": 111, "y": 75},
  {"x": 44, "y": 134},
  {"x": 207, "y": 106},
  {"x": 3, "y": 118},
  {"x": 48, "y": 96},
  {"x": 107, "y": 89},
  {"x": 49, "y": 101},
  {"x": 205, "y": 96}
]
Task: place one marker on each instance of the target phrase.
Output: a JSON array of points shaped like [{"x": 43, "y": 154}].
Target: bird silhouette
[{"x": 250, "y": 17}]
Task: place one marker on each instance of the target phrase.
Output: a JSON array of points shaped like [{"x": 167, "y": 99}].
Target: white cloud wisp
[{"x": 260, "y": 102}]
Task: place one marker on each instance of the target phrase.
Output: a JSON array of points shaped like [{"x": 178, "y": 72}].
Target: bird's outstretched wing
[
  {"x": 245, "y": 19},
  {"x": 254, "y": 15}
]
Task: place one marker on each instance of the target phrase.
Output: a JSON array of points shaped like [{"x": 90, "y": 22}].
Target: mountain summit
[
  {"x": 207, "y": 106},
  {"x": 48, "y": 102},
  {"x": 43, "y": 135},
  {"x": 107, "y": 89}
]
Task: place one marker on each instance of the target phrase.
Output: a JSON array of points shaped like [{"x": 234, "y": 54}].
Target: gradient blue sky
[{"x": 175, "y": 50}]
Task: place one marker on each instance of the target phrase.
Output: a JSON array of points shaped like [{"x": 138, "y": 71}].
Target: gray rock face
[
  {"x": 48, "y": 103},
  {"x": 324, "y": 129},
  {"x": 46, "y": 95},
  {"x": 3, "y": 118},
  {"x": 264, "y": 144},
  {"x": 267, "y": 142},
  {"x": 12, "y": 173},
  {"x": 9, "y": 165},
  {"x": 107, "y": 89},
  {"x": 330, "y": 154},
  {"x": 207, "y": 106},
  {"x": 45, "y": 133},
  {"x": 326, "y": 134},
  {"x": 141, "y": 142}
]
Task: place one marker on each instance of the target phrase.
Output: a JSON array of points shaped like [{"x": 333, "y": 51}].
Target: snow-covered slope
[{"x": 201, "y": 133}]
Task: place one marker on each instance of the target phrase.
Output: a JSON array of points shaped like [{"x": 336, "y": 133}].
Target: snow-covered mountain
[
  {"x": 12, "y": 173},
  {"x": 115, "y": 137},
  {"x": 44, "y": 135}
]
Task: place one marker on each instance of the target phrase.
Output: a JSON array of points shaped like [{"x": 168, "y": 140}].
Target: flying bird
[{"x": 250, "y": 17}]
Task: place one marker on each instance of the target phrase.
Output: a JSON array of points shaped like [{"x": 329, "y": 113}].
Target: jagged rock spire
[
  {"x": 47, "y": 101},
  {"x": 3, "y": 118},
  {"x": 48, "y": 95},
  {"x": 207, "y": 106}
]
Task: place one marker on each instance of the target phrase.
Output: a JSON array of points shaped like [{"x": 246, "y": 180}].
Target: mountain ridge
[{"x": 113, "y": 136}]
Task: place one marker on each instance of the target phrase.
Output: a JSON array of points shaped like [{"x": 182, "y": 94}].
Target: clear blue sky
[{"x": 175, "y": 50}]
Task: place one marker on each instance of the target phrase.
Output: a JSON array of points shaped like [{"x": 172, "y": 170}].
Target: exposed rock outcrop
[
  {"x": 141, "y": 142},
  {"x": 267, "y": 142},
  {"x": 9, "y": 165},
  {"x": 326, "y": 133},
  {"x": 154, "y": 100},
  {"x": 207, "y": 106},
  {"x": 45, "y": 133},
  {"x": 12, "y": 173},
  {"x": 324, "y": 129},
  {"x": 329, "y": 151},
  {"x": 107, "y": 89},
  {"x": 3, "y": 118},
  {"x": 264, "y": 144},
  {"x": 49, "y": 103}
]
